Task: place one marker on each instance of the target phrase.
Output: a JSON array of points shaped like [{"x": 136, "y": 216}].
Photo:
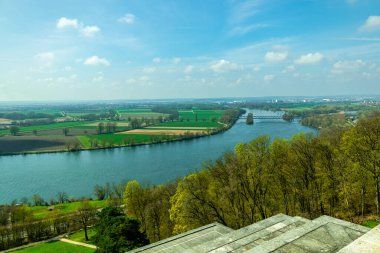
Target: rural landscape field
[
  {"x": 56, "y": 130},
  {"x": 190, "y": 126}
]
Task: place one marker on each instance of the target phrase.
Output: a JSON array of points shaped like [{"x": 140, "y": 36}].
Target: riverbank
[
  {"x": 185, "y": 128},
  {"x": 78, "y": 172},
  {"x": 175, "y": 138}
]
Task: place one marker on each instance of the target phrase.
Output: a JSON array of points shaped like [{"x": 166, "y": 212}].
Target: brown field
[
  {"x": 16, "y": 144},
  {"x": 180, "y": 128},
  {"x": 5, "y": 121},
  {"x": 159, "y": 132}
]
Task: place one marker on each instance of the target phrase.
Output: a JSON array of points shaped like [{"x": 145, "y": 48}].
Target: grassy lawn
[
  {"x": 371, "y": 223},
  {"x": 78, "y": 236},
  {"x": 190, "y": 124},
  {"x": 48, "y": 126},
  {"x": 116, "y": 139},
  {"x": 200, "y": 114},
  {"x": 41, "y": 212},
  {"x": 56, "y": 247}
]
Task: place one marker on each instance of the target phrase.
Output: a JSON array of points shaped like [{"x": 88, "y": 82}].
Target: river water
[{"x": 77, "y": 173}]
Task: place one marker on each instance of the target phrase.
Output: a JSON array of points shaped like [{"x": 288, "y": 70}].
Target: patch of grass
[
  {"x": 371, "y": 223},
  {"x": 56, "y": 247},
  {"x": 48, "y": 126},
  {"x": 201, "y": 115},
  {"x": 134, "y": 110},
  {"x": 116, "y": 139},
  {"x": 41, "y": 212},
  {"x": 78, "y": 236},
  {"x": 139, "y": 115},
  {"x": 190, "y": 124}
]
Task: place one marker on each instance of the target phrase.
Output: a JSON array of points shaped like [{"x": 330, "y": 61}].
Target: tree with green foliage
[
  {"x": 249, "y": 120},
  {"x": 14, "y": 130},
  {"x": 115, "y": 232}
]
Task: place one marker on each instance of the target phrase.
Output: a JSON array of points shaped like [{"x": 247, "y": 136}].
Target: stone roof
[
  {"x": 279, "y": 233},
  {"x": 188, "y": 240}
]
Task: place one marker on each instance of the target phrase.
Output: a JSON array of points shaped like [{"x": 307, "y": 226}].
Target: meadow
[
  {"x": 56, "y": 247},
  {"x": 42, "y": 212},
  {"x": 51, "y": 137}
]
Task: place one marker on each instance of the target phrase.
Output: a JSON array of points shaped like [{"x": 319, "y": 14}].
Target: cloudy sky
[{"x": 136, "y": 49}]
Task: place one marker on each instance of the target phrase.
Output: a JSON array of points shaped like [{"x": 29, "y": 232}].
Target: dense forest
[{"x": 336, "y": 173}]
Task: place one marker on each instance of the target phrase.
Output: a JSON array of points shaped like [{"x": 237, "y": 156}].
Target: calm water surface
[{"x": 77, "y": 173}]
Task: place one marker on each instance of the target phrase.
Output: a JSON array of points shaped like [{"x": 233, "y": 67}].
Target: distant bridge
[{"x": 263, "y": 117}]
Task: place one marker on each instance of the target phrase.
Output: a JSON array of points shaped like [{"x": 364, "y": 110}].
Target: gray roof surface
[
  {"x": 279, "y": 233},
  {"x": 188, "y": 240}
]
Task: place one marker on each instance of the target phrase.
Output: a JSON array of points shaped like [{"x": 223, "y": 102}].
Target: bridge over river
[{"x": 266, "y": 115}]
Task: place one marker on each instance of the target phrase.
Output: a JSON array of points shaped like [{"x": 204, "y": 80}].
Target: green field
[
  {"x": 41, "y": 212},
  {"x": 50, "y": 137},
  {"x": 200, "y": 115},
  {"x": 190, "y": 124},
  {"x": 371, "y": 223},
  {"x": 49, "y": 126},
  {"x": 116, "y": 139},
  {"x": 56, "y": 247},
  {"x": 78, "y": 236}
]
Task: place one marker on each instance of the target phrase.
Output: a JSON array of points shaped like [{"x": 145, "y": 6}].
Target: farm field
[
  {"x": 84, "y": 134},
  {"x": 162, "y": 131},
  {"x": 48, "y": 126},
  {"x": 115, "y": 139},
  {"x": 16, "y": 144},
  {"x": 185, "y": 124},
  {"x": 56, "y": 247},
  {"x": 41, "y": 212},
  {"x": 139, "y": 113}
]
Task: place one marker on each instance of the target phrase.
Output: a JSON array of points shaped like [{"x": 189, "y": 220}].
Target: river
[{"x": 78, "y": 172}]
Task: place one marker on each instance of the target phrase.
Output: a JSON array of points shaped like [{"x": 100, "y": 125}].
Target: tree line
[{"x": 336, "y": 173}]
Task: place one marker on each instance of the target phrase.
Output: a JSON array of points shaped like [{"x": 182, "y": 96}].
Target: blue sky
[{"x": 138, "y": 49}]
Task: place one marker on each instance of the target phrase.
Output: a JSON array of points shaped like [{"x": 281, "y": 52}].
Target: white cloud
[
  {"x": 89, "y": 31},
  {"x": 66, "y": 22},
  {"x": 311, "y": 58},
  {"x": 45, "y": 57},
  {"x": 351, "y": 2},
  {"x": 289, "y": 69},
  {"x": 156, "y": 60},
  {"x": 96, "y": 61},
  {"x": 189, "y": 69},
  {"x": 176, "y": 60},
  {"x": 149, "y": 70},
  {"x": 372, "y": 24},
  {"x": 342, "y": 67},
  {"x": 128, "y": 18},
  {"x": 276, "y": 56},
  {"x": 223, "y": 66},
  {"x": 268, "y": 78}
]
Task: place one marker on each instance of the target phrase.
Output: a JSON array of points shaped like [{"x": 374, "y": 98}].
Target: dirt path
[{"x": 78, "y": 243}]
